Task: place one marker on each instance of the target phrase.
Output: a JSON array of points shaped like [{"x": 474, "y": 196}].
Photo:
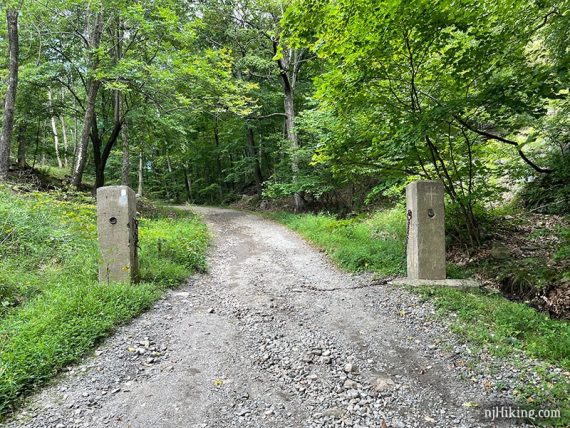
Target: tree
[
  {"x": 429, "y": 89},
  {"x": 93, "y": 84},
  {"x": 10, "y": 99}
]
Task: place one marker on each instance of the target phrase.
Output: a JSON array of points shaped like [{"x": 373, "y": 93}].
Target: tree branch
[{"x": 492, "y": 136}]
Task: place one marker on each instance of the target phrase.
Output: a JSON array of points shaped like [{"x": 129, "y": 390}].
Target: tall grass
[{"x": 52, "y": 309}]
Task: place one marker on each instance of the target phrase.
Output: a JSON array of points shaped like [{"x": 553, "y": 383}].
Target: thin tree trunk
[
  {"x": 38, "y": 128},
  {"x": 96, "y": 140},
  {"x": 119, "y": 112},
  {"x": 10, "y": 100},
  {"x": 65, "y": 142},
  {"x": 75, "y": 131},
  {"x": 93, "y": 88},
  {"x": 188, "y": 183},
  {"x": 253, "y": 156},
  {"x": 126, "y": 160},
  {"x": 54, "y": 130},
  {"x": 140, "y": 185},
  {"x": 22, "y": 145},
  {"x": 64, "y": 133},
  {"x": 220, "y": 179},
  {"x": 292, "y": 137},
  {"x": 168, "y": 163}
]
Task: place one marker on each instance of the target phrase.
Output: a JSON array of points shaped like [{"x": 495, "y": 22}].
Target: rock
[
  {"x": 334, "y": 412},
  {"x": 183, "y": 294},
  {"x": 349, "y": 384},
  {"x": 383, "y": 383},
  {"x": 211, "y": 310},
  {"x": 500, "y": 251},
  {"x": 350, "y": 368}
]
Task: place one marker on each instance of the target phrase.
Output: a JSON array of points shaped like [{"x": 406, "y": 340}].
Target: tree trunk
[
  {"x": 126, "y": 160},
  {"x": 292, "y": 135},
  {"x": 38, "y": 128},
  {"x": 22, "y": 145},
  {"x": 96, "y": 140},
  {"x": 188, "y": 183},
  {"x": 119, "y": 109},
  {"x": 64, "y": 133},
  {"x": 89, "y": 117},
  {"x": 220, "y": 178},
  {"x": 253, "y": 156},
  {"x": 140, "y": 185},
  {"x": 10, "y": 100},
  {"x": 75, "y": 130},
  {"x": 101, "y": 157},
  {"x": 289, "y": 66},
  {"x": 54, "y": 130},
  {"x": 65, "y": 142},
  {"x": 168, "y": 164}
]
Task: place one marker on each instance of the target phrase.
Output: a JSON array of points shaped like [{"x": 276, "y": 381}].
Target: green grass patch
[
  {"x": 52, "y": 309},
  {"x": 360, "y": 244},
  {"x": 503, "y": 327}
]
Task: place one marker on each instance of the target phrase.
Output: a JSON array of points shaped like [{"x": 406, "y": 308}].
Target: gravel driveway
[{"x": 252, "y": 345}]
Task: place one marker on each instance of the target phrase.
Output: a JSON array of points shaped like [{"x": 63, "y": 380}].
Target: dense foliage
[{"x": 330, "y": 103}]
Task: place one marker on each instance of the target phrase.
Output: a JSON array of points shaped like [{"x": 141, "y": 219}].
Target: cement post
[
  {"x": 117, "y": 228},
  {"x": 426, "y": 239}
]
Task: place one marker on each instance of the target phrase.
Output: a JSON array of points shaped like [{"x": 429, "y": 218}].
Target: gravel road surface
[{"x": 251, "y": 344}]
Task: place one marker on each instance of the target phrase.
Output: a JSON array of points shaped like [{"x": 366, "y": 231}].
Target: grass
[
  {"x": 505, "y": 328},
  {"x": 489, "y": 321},
  {"x": 360, "y": 244},
  {"x": 52, "y": 309}
]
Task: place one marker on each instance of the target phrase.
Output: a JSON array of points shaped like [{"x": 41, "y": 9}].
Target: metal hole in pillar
[
  {"x": 113, "y": 220},
  {"x": 431, "y": 214}
]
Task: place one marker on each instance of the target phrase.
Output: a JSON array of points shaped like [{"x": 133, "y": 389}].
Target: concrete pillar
[
  {"x": 426, "y": 236},
  {"x": 118, "y": 234}
]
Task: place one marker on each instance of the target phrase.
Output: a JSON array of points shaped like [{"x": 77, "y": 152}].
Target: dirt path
[{"x": 248, "y": 345}]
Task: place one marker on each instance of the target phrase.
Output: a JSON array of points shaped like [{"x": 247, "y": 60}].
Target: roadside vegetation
[
  {"x": 52, "y": 308},
  {"x": 365, "y": 243},
  {"x": 485, "y": 318}
]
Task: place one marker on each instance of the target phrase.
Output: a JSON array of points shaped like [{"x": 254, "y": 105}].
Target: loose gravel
[{"x": 251, "y": 345}]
